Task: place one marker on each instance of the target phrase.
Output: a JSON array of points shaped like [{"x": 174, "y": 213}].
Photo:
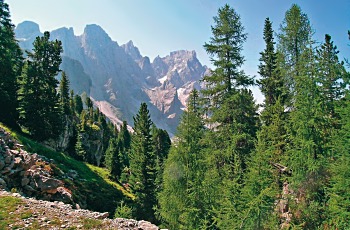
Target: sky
[{"x": 158, "y": 27}]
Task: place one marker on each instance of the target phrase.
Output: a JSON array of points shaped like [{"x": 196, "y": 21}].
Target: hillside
[{"x": 35, "y": 170}]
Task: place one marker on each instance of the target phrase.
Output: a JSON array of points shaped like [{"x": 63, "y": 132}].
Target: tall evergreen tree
[
  {"x": 10, "y": 67},
  {"x": 142, "y": 165},
  {"x": 263, "y": 181},
  {"x": 64, "y": 94},
  {"x": 124, "y": 138},
  {"x": 78, "y": 104},
  {"x": 113, "y": 159},
  {"x": 271, "y": 82},
  {"x": 39, "y": 107},
  {"x": 232, "y": 114}
]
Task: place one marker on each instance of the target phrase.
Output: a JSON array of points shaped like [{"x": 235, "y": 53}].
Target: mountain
[{"x": 119, "y": 78}]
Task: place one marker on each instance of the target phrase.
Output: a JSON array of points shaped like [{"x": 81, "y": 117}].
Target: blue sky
[{"x": 158, "y": 27}]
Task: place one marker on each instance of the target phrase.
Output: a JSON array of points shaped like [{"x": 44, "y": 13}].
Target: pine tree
[
  {"x": 39, "y": 107},
  {"x": 339, "y": 189},
  {"x": 10, "y": 67},
  {"x": 271, "y": 82},
  {"x": 142, "y": 166}
]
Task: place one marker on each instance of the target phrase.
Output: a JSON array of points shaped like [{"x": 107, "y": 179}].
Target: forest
[{"x": 233, "y": 164}]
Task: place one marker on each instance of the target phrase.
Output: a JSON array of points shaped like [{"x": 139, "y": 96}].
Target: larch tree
[
  {"x": 231, "y": 111},
  {"x": 181, "y": 198}
]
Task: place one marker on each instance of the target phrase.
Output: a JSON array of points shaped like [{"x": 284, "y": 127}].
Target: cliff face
[{"x": 121, "y": 77}]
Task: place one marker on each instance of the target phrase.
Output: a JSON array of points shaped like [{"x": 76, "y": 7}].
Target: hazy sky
[{"x": 158, "y": 27}]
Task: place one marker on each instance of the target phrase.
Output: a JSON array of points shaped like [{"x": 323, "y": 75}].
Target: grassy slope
[{"x": 93, "y": 185}]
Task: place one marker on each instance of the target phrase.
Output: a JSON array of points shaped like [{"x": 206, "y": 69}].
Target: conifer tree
[
  {"x": 64, "y": 94},
  {"x": 232, "y": 115},
  {"x": 124, "y": 138},
  {"x": 142, "y": 166},
  {"x": 294, "y": 39},
  {"x": 10, "y": 67},
  {"x": 271, "y": 82},
  {"x": 263, "y": 181},
  {"x": 181, "y": 199},
  {"x": 113, "y": 159},
  {"x": 39, "y": 106},
  {"x": 78, "y": 104},
  {"x": 225, "y": 50}
]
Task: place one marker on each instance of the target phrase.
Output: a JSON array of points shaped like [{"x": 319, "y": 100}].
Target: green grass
[
  {"x": 91, "y": 223},
  {"x": 92, "y": 187},
  {"x": 8, "y": 205}
]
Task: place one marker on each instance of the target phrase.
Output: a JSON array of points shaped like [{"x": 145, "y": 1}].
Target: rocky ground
[{"x": 38, "y": 214}]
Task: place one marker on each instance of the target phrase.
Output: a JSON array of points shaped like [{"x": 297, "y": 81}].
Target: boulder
[{"x": 46, "y": 184}]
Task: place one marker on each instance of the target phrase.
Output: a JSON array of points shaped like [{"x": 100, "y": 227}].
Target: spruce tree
[
  {"x": 264, "y": 181},
  {"x": 39, "y": 106},
  {"x": 113, "y": 159},
  {"x": 10, "y": 67},
  {"x": 64, "y": 94},
  {"x": 124, "y": 138},
  {"x": 78, "y": 104},
  {"x": 143, "y": 166}
]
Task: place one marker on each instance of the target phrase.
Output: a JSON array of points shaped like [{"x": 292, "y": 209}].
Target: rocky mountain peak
[
  {"x": 120, "y": 77},
  {"x": 27, "y": 29},
  {"x": 94, "y": 34},
  {"x": 132, "y": 50}
]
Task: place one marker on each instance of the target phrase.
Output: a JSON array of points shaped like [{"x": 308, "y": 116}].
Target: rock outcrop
[
  {"x": 31, "y": 174},
  {"x": 41, "y": 214}
]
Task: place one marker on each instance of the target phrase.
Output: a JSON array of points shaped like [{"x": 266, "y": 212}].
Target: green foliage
[
  {"x": 180, "y": 200},
  {"x": 124, "y": 138},
  {"x": 143, "y": 166},
  {"x": 39, "y": 106},
  {"x": 114, "y": 159},
  {"x": 64, "y": 94},
  {"x": 10, "y": 67},
  {"x": 271, "y": 82},
  {"x": 123, "y": 211},
  {"x": 78, "y": 104}
]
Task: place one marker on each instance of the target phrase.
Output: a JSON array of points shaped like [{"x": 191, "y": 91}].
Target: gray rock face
[{"x": 121, "y": 76}]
